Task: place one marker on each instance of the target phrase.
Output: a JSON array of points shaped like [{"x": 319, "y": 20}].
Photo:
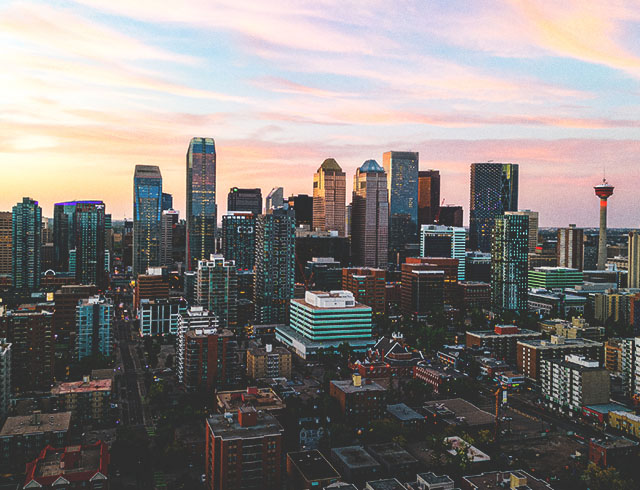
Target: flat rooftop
[
  {"x": 566, "y": 343},
  {"x": 30, "y": 424},
  {"x": 82, "y": 387},
  {"x": 230, "y": 428},
  {"x": 387, "y": 484},
  {"x": 264, "y": 399},
  {"x": 491, "y": 333},
  {"x": 614, "y": 442},
  {"x": 347, "y": 386},
  {"x": 391, "y": 454},
  {"x": 73, "y": 459},
  {"x": 313, "y": 465},
  {"x": 354, "y": 457},
  {"x": 499, "y": 480},
  {"x": 459, "y": 408},
  {"x": 403, "y": 412},
  {"x": 433, "y": 479}
]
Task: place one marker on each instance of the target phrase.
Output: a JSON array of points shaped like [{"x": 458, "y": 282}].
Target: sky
[{"x": 90, "y": 88}]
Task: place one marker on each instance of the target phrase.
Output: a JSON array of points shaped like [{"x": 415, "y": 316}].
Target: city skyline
[{"x": 551, "y": 86}]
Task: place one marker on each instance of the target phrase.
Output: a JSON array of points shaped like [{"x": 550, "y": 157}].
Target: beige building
[
  {"x": 634, "y": 260},
  {"x": 329, "y": 198},
  {"x": 268, "y": 362},
  {"x": 6, "y": 232}
]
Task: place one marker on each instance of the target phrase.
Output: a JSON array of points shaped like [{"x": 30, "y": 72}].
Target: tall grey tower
[{"x": 604, "y": 191}]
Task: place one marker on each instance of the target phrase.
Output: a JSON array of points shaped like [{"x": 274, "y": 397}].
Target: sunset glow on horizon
[{"x": 92, "y": 88}]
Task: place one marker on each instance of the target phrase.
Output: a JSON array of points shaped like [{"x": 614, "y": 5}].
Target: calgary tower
[{"x": 604, "y": 191}]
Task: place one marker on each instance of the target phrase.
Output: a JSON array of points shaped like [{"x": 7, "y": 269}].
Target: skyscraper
[
  {"x": 6, "y": 232},
  {"x": 217, "y": 289},
  {"x": 444, "y": 241},
  {"x": 428, "y": 196},
  {"x": 509, "y": 263},
  {"x": 94, "y": 318},
  {"x": 275, "y": 199},
  {"x": 80, "y": 231},
  {"x": 634, "y": 260},
  {"x": 370, "y": 216},
  {"x": 494, "y": 190},
  {"x": 302, "y": 205},
  {"x": 275, "y": 269},
  {"x": 167, "y": 201},
  {"x": 169, "y": 221},
  {"x": 329, "y": 197},
  {"x": 571, "y": 247},
  {"x": 25, "y": 258},
  {"x": 533, "y": 227},
  {"x": 202, "y": 211},
  {"x": 239, "y": 238},
  {"x": 450, "y": 215},
  {"x": 245, "y": 200},
  {"x": 147, "y": 213},
  {"x": 604, "y": 191},
  {"x": 91, "y": 264},
  {"x": 402, "y": 185}
]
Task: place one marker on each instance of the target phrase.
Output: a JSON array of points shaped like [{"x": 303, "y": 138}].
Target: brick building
[
  {"x": 361, "y": 401},
  {"x": 502, "y": 340},
  {"x": 368, "y": 286}
]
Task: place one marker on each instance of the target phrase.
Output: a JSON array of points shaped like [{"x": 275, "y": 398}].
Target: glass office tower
[{"x": 147, "y": 216}]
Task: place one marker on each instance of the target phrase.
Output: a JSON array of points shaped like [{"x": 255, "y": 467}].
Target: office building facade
[
  {"x": 147, "y": 215},
  {"x": 329, "y": 198},
  {"x": 202, "y": 211},
  {"x": 239, "y": 238},
  {"x": 509, "y": 263},
  {"x": 94, "y": 321},
  {"x": 26, "y": 242},
  {"x": 633, "y": 278},
  {"x": 370, "y": 216},
  {"x": 6, "y": 234},
  {"x": 217, "y": 289},
  {"x": 494, "y": 190},
  {"x": 245, "y": 200},
  {"x": 570, "y": 247},
  {"x": 401, "y": 168},
  {"x": 444, "y": 241},
  {"x": 302, "y": 205},
  {"x": 275, "y": 265},
  {"x": 428, "y": 196},
  {"x": 170, "y": 218}
]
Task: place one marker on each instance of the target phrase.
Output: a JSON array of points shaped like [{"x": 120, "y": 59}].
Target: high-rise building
[
  {"x": 323, "y": 273},
  {"x": 604, "y": 191},
  {"x": 422, "y": 288},
  {"x": 26, "y": 230},
  {"x": 160, "y": 316},
  {"x": 254, "y": 439},
  {"x": 428, "y": 196},
  {"x": 6, "y": 233},
  {"x": 194, "y": 318},
  {"x": 217, "y": 289},
  {"x": 245, "y": 200},
  {"x": 509, "y": 263},
  {"x": 202, "y": 211},
  {"x": 170, "y": 218},
  {"x": 533, "y": 227},
  {"x": 64, "y": 313},
  {"x": 94, "y": 335},
  {"x": 367, "y": 285},
  {"x": 329, "y": 197},
  {"x": 274, "y": 266},
  {"x": 324, "y": 320},
  {"x": 32, "y": 350},
  {"x": 370, "y": 216},
  {"x": 494, "y": 190},
  {"x": 239, "y": 238},
  {"x": 570, "y": 249},
  {"x": 450, "y": 215},
  {"x": 274, "y": 200},
  {"x": 147, "y": 214},
  {"x": 80, "y": 234},
  {"x": 167, "y": 201},
  {"x": 444, "y": 241},
  {"x": 153, "y": 285},
  {"x": 302, "y": 205},
  {"x": 5, "y": 377},
  {"x": 633, "y": 250},
  {"x": 310, "y": 244},
  {"x": 401, "y": 168}
]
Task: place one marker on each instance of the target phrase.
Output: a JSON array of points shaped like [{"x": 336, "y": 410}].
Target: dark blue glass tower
[
  {"x": 402, "y": 182},
  {"x": 147, "y": 215},
  {"x": 201, "y": 200},
  {"x": 494, "y": 190}
]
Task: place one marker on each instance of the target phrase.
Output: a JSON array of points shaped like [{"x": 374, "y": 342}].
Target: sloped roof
[
  {"x": 330, "y": 164},
  {"x": 371, "y": 166}
]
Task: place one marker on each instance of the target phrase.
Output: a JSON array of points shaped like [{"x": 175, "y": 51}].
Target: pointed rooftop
[
  {"x": 330, "y": 164},
  {"x": 371, "y": 166}
]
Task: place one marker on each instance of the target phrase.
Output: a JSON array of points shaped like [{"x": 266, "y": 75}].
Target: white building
[
  {"x": 445, "y": 241},
  {"x": 194, "y": 318}
]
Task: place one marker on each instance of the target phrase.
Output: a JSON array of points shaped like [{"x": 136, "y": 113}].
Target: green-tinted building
[
  {"x": 555, "y": 277},
  {"x": 25, "y": 258},
  {"x": 239, "y": 238},
  {"x": 217, "y": 289},
  {"x": 325, "y": 320}
]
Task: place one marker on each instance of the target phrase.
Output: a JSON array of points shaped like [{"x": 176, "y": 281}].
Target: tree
[{"x": 598, "y": 478}]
